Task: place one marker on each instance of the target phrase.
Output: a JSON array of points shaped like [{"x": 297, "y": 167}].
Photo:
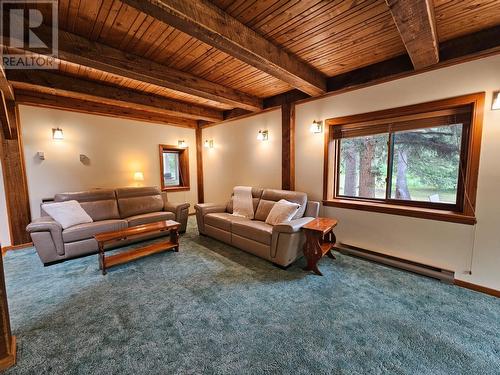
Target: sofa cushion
[
  {"x": 139, "y": 200},
  {"x": 254, "y": 230},
  {"x": 100, "y": 204},
  {"x": 151, "y": 217},
  {"x": 290, "y": 196},
  {"x": 222, "y": 220},
  {"x": 263, "y": 209},
  {"x": 67, "y": 213},
  {"x": 282, "y": 211},
  {"x": 88, "y": 230}
]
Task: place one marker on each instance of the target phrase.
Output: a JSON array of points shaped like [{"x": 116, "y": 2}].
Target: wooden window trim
[
  {"x": 183, "y": 167},
  {"x": 466, "y": 213}
]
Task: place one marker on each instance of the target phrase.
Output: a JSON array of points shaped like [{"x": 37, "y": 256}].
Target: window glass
[
  {"x": 363, "y": 166},
  {"x": 171, "y": 176},
  {"x": 426, "y": 164}
]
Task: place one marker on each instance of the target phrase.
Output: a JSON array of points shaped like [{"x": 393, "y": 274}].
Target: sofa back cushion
[
  {"x": 271, "y": 196},
  {"x": 100, "y": 204},
  {"x": 138, "y": 200},
  {"x": 256, "y": 194}
]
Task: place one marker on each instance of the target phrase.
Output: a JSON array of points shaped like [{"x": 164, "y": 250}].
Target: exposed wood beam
[
  {"x": 208, "y": 23},
  {"x": 199, "y": 163},
  {"x": 6, "y": 94},
  {"x": 417, "y": 27},
  {"x": 474, "y": 46},
  {"x": 83, "y": 106},
  {"x": 287, "y": 97},
  {"x": 288, "y": 146},
  {"x": 57, "y": 84},
  {"x": 4, "y": 118},
  {"x": 15, "y": 183},
  {"x": 81, "y": 51},
  {"x": 5, "y": 86}
]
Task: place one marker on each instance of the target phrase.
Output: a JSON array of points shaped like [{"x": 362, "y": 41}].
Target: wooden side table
[{"x": 320, "y": 240}]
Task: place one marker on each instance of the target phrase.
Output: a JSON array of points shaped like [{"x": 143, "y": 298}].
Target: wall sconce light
[
  {"x": 181, "y": 143},
  {"x": 263, "y": 135},
  {"x": 84, "y": 159},
  {"x": 496, "y": 100},
  {"x": 209, "y": 143},
  {"x": 57, "y": 134},
  {"x": 317, "y": 127}
]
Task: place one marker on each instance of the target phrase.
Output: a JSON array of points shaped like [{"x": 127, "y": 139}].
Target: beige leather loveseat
[
  {"x": 280, "y": 244},
  {"x": 111, "y": 209}
]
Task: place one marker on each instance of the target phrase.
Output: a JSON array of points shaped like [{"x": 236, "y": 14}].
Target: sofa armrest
[
  {"x": 176, "y": 208},
  {"x": 208, "y": 208},
  {"x": 181, "y": 211},
  {"x": 46, "y": 234},
  {"x": 203, "y": 209},
  {"x": 44, "y": 224},
  {"x": 292, "y": 226}
]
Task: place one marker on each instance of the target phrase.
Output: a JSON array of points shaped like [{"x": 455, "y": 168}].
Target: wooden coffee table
[
  {"x": 139, "y": 252},
  {"x": 320, "y": 240}
]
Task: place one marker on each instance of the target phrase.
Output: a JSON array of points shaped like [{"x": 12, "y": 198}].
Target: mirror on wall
[{"x": 174, "y": 168}]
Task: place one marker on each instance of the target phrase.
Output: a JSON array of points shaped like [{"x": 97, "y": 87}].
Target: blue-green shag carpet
[{"x": 213, "y": 309}]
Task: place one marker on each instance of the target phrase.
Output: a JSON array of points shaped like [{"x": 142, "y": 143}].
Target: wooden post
[
  {"x": 199, "y": 164},
  {"x": 288, "y": 146},
  {"x": 7, "y": 341},
  {"x": 14, "y": 179}
]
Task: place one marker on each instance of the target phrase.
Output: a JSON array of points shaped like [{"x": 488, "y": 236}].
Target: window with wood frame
[
  {"x": 174, "y": 168},
  {"x": 419, "y": 161}
]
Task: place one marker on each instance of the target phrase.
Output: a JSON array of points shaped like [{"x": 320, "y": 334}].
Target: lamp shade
[
  {"x": 496, "y": 100},
  {"x": 57, "y": 134},
  {"x": 316, "y": 127},
  {"x": 138, "y": 176}
]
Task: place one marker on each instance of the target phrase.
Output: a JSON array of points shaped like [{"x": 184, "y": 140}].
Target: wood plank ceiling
[{"x": 333, "y": 37}]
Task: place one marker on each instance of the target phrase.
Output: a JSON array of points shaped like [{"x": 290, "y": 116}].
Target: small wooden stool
[{"x": 320, "y": 240}]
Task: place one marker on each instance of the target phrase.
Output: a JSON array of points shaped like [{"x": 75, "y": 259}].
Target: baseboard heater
[{"x": 445, "y": 276}]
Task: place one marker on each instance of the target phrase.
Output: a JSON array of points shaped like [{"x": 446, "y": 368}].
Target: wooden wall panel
[
  {"x": 288, "y": 146},
  {"x": 199, "y": 164}
]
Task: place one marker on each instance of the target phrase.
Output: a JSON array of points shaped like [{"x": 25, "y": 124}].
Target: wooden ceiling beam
[
  {"x": 81, "y": 51},
  {"x": 61, "y": 85},
  {"x": 206, "y": 22},
  {"x": 44, "y": 100},
  {"x": 6, "y": 95},
  {"x": 417, "y": 27}
]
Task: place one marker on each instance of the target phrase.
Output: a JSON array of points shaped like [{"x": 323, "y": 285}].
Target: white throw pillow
[
  {"x": 67, "y": 213},
  {"x": 282, "y": 211}
]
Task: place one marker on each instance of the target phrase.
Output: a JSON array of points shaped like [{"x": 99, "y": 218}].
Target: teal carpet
[{"x": 212, "y": 309}]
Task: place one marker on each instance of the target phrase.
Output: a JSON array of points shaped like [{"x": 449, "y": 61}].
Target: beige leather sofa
[
  {"x": 111, "y": 209},
  {"x": 280, "y": 244}
]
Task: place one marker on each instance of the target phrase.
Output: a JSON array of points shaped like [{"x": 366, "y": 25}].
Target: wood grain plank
[
  {"x": 208, "y": 23},
  {"x": 81, "y": 51},
  {"x": 14, "y": 177},
  {"x": 288, "y": 146},
  {"x": 44, "y": 100},
  {"x": 56, "y": 84}
]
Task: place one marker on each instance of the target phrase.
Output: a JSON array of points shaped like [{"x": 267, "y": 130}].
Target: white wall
[
  {"x": 4, "y": 219},
  {"x": 238, "y": 158},
  {"x": 116, "y": 148}
]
